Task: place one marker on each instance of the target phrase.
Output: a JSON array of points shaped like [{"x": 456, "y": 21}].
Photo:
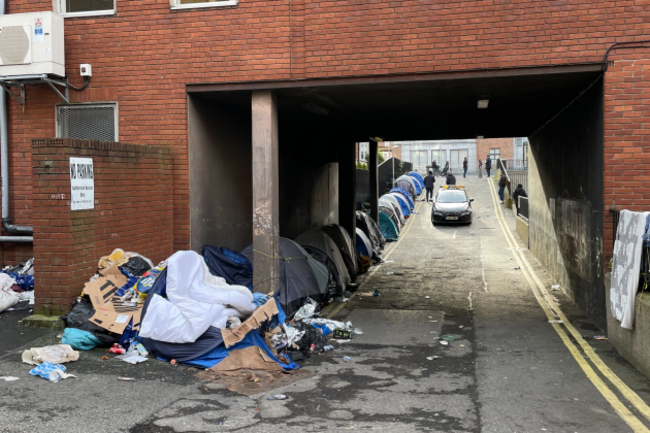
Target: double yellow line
[{"x": 554, "y": 313}]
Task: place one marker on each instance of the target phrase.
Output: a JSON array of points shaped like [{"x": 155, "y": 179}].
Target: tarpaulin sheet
[{"x": 229, "y": 265}]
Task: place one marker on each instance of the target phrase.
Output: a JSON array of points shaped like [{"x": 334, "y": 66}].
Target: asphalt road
[{"x": 508, "y": 370}]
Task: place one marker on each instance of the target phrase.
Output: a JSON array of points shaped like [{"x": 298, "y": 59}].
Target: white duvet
[{"x": 196, "y": 300}]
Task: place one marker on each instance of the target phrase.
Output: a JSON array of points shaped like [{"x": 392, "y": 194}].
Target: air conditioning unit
[{"x": 32, "y": 44}]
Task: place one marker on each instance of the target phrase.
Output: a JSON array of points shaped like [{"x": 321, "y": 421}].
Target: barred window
[{"x": 87, "y": 121}]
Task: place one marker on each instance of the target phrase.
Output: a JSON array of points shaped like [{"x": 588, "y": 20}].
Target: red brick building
[
  {"x": 183, "y": 71},
  {"x": 495, "y": 147}
]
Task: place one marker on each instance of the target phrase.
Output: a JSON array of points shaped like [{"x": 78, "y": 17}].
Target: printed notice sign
[
  {"x": 38, "y": 30},
  {"x": 82, "y": 184}
]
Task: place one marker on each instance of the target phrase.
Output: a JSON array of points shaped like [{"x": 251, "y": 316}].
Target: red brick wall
[
  {"x": 133, "y": 211},
  {"x": 145, "y": 55},
  {"x": 626, "y": 178},
  {"x": 484, "y": 145}
]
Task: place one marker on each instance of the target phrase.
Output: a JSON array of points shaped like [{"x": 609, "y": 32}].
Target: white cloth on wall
[{"x": 628, "y": 249}]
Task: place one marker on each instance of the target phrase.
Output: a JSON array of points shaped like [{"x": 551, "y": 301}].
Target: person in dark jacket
[
  {"x": 451, "y": 179},
  {"x": 519, "y": 192},
  {"x": 435, "y": 167},
  {"x": 445, "y": 170},
  {"x": 502, "y": 186},
  {"x": 488, "y": 165},
  {"x": 465, "y": 163},
  {"x": 429, "y": 182}
]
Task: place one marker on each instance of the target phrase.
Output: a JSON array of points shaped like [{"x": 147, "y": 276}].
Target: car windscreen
[{"x": 451, "y": 197}]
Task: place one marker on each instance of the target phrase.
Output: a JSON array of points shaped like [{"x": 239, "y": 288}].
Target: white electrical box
[{"x": 32, "y": 43}]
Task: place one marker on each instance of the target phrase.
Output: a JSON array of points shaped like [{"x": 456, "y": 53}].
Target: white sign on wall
[{"x": 82, "y": 184}]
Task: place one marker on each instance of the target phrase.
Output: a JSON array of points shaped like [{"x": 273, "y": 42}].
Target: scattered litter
[
  {"x": 555, "y": 321},
  {"x": 448, "y": 337},
  {"x": 427, "y": 297},
  {"x": 9, "y": 378},
  {"x": 307, "y": 310},
  {"x": 389, "y": 261},
  {"x": 347, "y": 359},
  {"x": 430, "y": 317},
  {"x": 390, "y": 273},
  {"x": 342, "y": 334},
  {"x": 555, "y": 287},
  {"x": 461, "y": 326},
  {"x": 517, "y": 268},
  {"x": 433, "y": 332},
  {"x": 433, "y": 321},
  {"x": 328, "y": 347},
  {"x": 127, "y": 379},
  {"x": 56, "y": 354},
  {"x": 277, "y": 397},
  {"x": 132, "y": 358},
  {"x": 432, "y": 358},
  {"x": 600, "y": 337},
  {"x": 366, "y": 294},
  {"x": 117, "y": 349},
  {"x": 462, "y": 345},
  {"x": 105, "y": 358},
  {"x": 444, "y": 343},
  {"x": 52, "y": 372},
  {"x": 377, "y": 293}
]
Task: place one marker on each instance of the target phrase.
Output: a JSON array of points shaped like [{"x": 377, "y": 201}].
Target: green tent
[{"x": 387, "y": 227}]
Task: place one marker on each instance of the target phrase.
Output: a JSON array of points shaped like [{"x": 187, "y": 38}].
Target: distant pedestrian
[
  {"x": 465, "y": 167},
  {"x": 480, "y": 168},
  {"x": 502, "y": 186},
  {"x": 435, "y": 167},
  {"x": 429, "y": 182},
  {"x": 445, "y": 170},
  {"x": 488, "y": 165},
  {"x": 451, "y": 179},
  {"x": 519, "y": 192}
]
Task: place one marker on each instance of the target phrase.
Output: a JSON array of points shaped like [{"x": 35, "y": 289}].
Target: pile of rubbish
[
  {"x": 17, "y": 286},
  {"x": 201, "y": 310}
]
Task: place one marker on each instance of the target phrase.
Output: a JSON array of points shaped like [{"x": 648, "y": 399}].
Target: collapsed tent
[
  {"x": 301, "y": 276},
  {"x": 388, "y": 229},
  {"x": 319, "y": 240},
  {"x": 404, "y": 211},
  {"x": 416, "y": 184},
  {"x": 396, "y": 209},
  {"x": 372, "y": 231},
  {"x": 228, "y": 264},
  {"x": 403, "y": 204},
  {"x": 408, "y": 185},
  {"x": 406, "y": 196},
  {"x": 196, "y": 300},
  {"x": 342, "y": 239},
  {"x": 392, "y": 214},
  {"x": 417, "y": 176}
]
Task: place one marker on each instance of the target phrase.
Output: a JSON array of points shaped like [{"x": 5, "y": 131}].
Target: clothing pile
[{"x": 17, "y": 286}]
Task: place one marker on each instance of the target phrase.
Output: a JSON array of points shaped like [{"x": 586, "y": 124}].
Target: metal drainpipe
[{"x": 4, "y": 173}]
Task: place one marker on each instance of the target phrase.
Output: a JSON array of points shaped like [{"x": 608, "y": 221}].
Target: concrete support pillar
[
  {"x": 266, "y": 193},
  {"x": 374, "y": 181},
  {"x": 348, "y": 188}
]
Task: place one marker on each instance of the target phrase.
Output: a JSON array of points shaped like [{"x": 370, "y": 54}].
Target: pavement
[{"x": 508, "y": 370}]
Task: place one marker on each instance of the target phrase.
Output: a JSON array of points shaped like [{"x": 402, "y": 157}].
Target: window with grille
[
  {"x": 87, "y": 122},
  {"x": 495, "y": 153}
]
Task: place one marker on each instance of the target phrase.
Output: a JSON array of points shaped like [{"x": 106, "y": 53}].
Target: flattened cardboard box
[{"x": 111, "y": 313}]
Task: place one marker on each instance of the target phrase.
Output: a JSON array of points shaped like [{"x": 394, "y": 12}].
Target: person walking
[
  {"x": 435, "y": 167},
  {"x": 429, "y": 182},
  {"x": 502, "y": 186},
  {"x": 519, "y": 192},
  {"x": 480, "y": 168},
  {"x": 488, "y": 166},
  {"x": 451, "y": 179},
  {"x": 465, "y": 167}
]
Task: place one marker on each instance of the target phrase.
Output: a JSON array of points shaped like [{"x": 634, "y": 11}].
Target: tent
[
  {"x": 403, "y": 204},
  {"x": 195, "y": 300},
  {"x": 390, "y": 211},
  {"x": 228, "y": 264},
  {"x": 334, "y": 287},
  {"x": 384, "y": 201},
  {"x": 408, "y": 185},
  {"x": 364, "y": 246},
  {"x": 418, "y": 176},
  {"x": 388, "y": 228},
  {"x": 416, "y": 184},
  {"x": 372, "y": 232},
  {"x": 301, "y": 276},
  {"x": 318, "y": 239},
  {"x": 406, "y": 195},
  {"x": 342, "y": 239},
  {"x": 405, "y": 211}
]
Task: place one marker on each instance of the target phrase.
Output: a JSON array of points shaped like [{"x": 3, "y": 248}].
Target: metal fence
[
  {"x": 363, "y": 188},
  {"x": 523, "y": 207},
  {"x": 515, "y": 177},
  {"x": 385, "y": 173}
]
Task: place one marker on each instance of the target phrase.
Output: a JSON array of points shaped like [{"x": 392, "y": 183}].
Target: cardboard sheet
[
  {"x": 261, "y": 315},
  {"x": 251, "y": 382},
  {"x": 111, "y": 313}
]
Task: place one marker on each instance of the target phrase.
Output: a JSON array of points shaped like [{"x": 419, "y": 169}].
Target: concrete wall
[
  {"x": 566, "y": 201},
  {"x": 221, "y": 191}
]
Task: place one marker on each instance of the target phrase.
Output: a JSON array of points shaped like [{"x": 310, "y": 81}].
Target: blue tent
[
  {"x": 387, "y": 227},
  {"x": 228, "y": 264},
  {"x": 403, "y": 204},
  {"x": 418, "y": 177},
  {"x": 406, "y": 195},
  {"x": 363, "y": 245}
]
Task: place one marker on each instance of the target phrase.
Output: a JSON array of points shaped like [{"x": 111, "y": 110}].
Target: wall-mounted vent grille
[
  {"x": 87, "y": 122},
  {"x": 14, "y": 45}
]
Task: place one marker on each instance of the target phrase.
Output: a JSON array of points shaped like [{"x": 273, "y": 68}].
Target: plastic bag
[
  {"x": 8, "y": 298},
  {"x": 307, "y": 310},
  {"x": 51, "y": 372},
  {"x": 56, "y": 354}
]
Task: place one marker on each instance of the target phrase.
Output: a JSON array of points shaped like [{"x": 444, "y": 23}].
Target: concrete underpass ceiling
[{"x": 418, "y": 108}]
